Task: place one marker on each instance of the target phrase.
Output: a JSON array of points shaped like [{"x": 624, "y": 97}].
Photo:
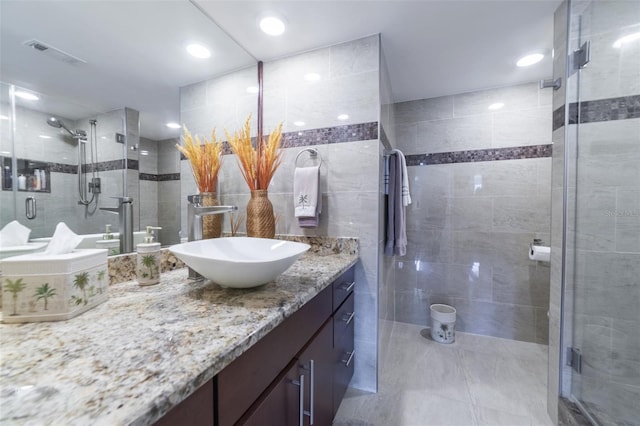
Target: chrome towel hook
[{"x": 313, "y": 153}]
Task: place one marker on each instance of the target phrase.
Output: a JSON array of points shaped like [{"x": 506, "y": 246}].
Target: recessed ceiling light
[
  {"x": 299, "y": 123},
  {"x": 253, "y": 89},
  {"x": 173, "y": 125},
  {"x": 45, "y": 137},
  {"x": 626, "y": 39},
  {"x": 534, "y": 58},
  {"x": 26, "y": 95},
  {"x": 272, "y": 25},
  {"x": 343, "y": 117},
  {"x": 3, "y": 117},
  {"x": 496, "y": 106},
  {"x": 199, "y": 51},
  {"x": 312, "y": 76}
]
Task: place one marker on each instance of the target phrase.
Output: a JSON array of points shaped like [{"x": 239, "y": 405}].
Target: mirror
[{"x": 107, "y": 77}]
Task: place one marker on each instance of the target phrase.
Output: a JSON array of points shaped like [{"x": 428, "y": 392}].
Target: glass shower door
[
  {"x": 7, "y": 189},
  {"x": 604, "y": 202}
]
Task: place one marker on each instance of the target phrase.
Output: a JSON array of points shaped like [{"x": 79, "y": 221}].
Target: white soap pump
[{"x": 148, "y": 262}]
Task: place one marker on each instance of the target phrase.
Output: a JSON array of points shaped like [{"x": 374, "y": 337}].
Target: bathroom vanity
[{"x": 190, "y": 353}]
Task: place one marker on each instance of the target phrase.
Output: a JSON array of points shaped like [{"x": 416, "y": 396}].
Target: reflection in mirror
[{"x": 97, "y": 129}]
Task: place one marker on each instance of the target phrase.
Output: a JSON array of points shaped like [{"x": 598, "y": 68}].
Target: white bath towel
[
  {"x": 307, "y": 197},
  {"x": 14, "y": 234},
  {"x": 64, "y": 240}
]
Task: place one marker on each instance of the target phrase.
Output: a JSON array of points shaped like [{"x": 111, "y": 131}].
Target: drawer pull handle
[
  {"x": 300, "y": 382},
  {"x": 348, "y": 286},
  {"x": 348, "y": 360},
  {"x": 311, "y": 369},
  {"x": 348, "y": 317}
]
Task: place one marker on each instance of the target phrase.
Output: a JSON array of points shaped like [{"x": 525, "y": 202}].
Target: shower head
[{"x": 57, "y": 123}]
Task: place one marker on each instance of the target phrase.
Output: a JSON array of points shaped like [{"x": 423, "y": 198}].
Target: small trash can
[{"x": 443, "y": 322}]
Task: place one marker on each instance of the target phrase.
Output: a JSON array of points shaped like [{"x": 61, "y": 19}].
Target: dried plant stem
[
  {"x": 234, "y": 223},
  {"x": 257, "y": 170},
  {"x": 205, "y": 159}
]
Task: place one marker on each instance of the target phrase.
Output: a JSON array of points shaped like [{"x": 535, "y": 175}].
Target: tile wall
[
  {"x": 473, "y": 217},
  {"x": 348, "y": 84}
]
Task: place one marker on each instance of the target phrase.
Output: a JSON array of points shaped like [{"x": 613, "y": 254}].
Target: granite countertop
[{"x": 133, "y": 358}]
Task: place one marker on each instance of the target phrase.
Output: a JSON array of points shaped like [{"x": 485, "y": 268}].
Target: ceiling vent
[{"x": 53, "y": 52}]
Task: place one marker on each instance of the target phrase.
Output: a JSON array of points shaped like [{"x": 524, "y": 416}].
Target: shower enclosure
[
  {"x": 62, "y": 169},
  {"x": 600, "y": 350}
]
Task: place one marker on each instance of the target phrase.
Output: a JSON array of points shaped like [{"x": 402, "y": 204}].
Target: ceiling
[
  {"x": 432, "y": 47},
  {"x": 135, "y": 57}
]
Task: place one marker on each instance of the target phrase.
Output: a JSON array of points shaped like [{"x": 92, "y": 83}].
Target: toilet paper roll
[{"x": 540, "y": 253}]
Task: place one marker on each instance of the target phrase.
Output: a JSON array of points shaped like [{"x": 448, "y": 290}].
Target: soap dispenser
[
  {"x": 108, "y": 242},
  {"x": 148, "y": 263}
]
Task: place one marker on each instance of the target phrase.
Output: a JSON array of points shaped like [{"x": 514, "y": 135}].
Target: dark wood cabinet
[
  {"x": 295, "y": 375},
  {"x": 343, "y": 350},
  {"x": 315, "y": 363},
  {"x": 196, "y": 410},
  {"x": 280, "y": 404}
]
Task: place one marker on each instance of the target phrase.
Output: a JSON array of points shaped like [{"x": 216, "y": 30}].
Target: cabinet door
[
  {"x": 280, "y": 404},
  {"x": 316, "y": 363},
  {"x": 196, "y": 410}
]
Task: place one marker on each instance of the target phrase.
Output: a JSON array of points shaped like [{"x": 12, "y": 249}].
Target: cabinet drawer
[
  {"x": 344, "y": 361},
  {"x": 343, "y": 287},
  {"x": 242, "y": 381},
  {"x": 343, "y": 320}
]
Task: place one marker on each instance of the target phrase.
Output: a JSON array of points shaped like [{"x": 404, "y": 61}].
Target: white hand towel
[
  {"x": 406, "y": 195},
  {"x": 14, "y": 234},
  {"x": 307, "y": 197},
  {"x": 305, "y": 191},
  {"x": 64, "y": 240}
]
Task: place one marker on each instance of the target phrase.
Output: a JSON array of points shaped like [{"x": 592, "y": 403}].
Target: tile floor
[{"x": 477, "y": 380}]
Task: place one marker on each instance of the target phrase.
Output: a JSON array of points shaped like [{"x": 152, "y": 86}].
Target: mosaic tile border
[
  {"x": 106, "y": 166},
  {"x": 491, "y": 154},
  {"x": 330, "y": 135},
  {"x": 160, "y": 177},
  {"x": 610, "y": 109},
  {"x": 322, "y": 136}
]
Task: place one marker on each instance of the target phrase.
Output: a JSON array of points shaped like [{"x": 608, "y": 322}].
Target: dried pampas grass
[
  {"x": 257, "y": 170},
  {"x": 205, "y": 159}
]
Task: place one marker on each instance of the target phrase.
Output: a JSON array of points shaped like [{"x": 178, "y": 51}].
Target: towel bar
[{"x": 313, "y": 153}]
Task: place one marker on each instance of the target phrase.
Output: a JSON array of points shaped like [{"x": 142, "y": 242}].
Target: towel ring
[{"x": 313, "y": 153}]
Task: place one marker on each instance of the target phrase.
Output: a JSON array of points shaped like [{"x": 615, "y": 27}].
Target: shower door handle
[{"x": 30, "y": 208}]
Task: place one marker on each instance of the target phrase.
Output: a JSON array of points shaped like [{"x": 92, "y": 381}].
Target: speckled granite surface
[
  {"x": 133, "y": 358},
  {"x": 123, "y": 267}
]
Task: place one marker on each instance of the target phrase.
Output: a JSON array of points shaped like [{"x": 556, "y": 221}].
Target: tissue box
[{"x": 41, "y": 287}]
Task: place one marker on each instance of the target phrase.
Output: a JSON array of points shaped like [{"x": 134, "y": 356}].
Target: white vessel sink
[{"x": 239, "y": 262}]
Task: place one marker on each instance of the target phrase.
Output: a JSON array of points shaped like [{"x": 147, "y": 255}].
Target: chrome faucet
[
  {"x": 125, "y": 217},
  {"x": 195, "y": 212}
]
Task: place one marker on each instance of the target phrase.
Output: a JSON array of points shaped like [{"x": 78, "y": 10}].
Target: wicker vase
[
  {"x": 260, "y": 220},
  {"x": 211, "y": 224}
]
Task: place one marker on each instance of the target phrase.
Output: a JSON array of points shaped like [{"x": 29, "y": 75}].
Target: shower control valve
[{"x": 94, "y": 185}]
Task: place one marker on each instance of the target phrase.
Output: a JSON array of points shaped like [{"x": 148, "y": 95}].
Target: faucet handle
[
  {"x": 123, "y": 199},
  {"x": 194, "y": 198}
]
